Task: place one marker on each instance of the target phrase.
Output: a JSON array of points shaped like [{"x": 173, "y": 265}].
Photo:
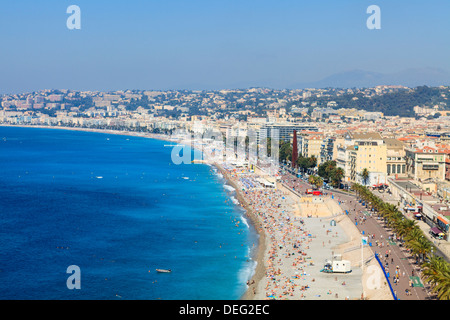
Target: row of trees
[
  {"x": 436, "y": 271},
  {"x": 315, "y": 180},
  {"x": 303, "y": 163},
  {"x": 327, "y": 171},
  {"x": 331, "y": 173}
]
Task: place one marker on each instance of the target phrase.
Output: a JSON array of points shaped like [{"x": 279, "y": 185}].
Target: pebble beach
[{"x": 297, "y": 237}]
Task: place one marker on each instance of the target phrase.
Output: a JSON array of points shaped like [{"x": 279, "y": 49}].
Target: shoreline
[
  {"x": 106, "y": 131},
  {"x": 260, "y": 270}
]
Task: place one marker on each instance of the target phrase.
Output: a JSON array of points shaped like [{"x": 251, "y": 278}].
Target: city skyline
[{"x": 147, "y": 45}]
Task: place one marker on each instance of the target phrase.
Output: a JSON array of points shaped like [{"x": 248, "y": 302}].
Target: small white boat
[
  {"x": 164, "y": 270},
  {"x": 186, "y": 178}
]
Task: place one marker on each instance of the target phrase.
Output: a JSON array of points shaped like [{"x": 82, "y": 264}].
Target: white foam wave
[
  {"x": 245, "y": 221},
  {"x": 229, "y": 188},
  {"x": 234, "y": 200},
  {"x": 247, "y": 271}
]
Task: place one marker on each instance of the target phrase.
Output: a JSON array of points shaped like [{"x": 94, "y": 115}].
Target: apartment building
[
  {"x": 310, "y": 144},
  {"x": 363, "y": 151},
  {"x": 426, "y": 162},
  {"x": 328, "y": 150},
  {"x": 395, "y": 157},
  {"x": 284, "y": 131},
  {"x": 343, "y": 160}
]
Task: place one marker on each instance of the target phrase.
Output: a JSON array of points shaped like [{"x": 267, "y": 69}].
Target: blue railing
[{"x": 387, "y": 278}]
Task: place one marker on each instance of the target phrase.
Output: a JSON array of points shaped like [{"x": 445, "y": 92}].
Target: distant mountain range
[
  {"x": 365, "y": 79},
  {"x": 414, "y": 77}
]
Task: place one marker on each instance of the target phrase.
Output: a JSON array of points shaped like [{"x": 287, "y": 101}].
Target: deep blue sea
[{"x": 118, "y": 208}]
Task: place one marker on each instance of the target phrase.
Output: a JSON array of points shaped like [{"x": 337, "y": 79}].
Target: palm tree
[
  {"x": 406, "y": 226},
  {"x": 315, "y": 180},
  {"x": 361, "y": 190},
  {"x": 395, "y": 221},
  {"x": 312, "y": 161},
  {"x": 443, "y": 287},
  {"x": 285, "y": 151},
  {"x": 435, "y": 266},
  {"x": 420, "y": 246},
  {"x": 336, "y": 176},
  {"x": 319, "y": 182},
  {"x": 383, "y": 209},
  {"x": 414, "y": 234},
  {"x": 365, "y": 176},
  {"x": 330, "y": 166},
  {"x": 437, "y": 273}
]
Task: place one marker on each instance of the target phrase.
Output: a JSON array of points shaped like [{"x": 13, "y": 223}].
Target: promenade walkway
[
  {"x": 397, "y": 260},
  {"x": 443, "y": 246}
]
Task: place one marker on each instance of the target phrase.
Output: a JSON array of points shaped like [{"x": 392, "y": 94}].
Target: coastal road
[
  {"x": 408, "y": 270},
  {"x": 397, "y": 255}
]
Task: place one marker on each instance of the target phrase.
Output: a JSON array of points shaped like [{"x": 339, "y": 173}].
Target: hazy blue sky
[{"x": 212, "y": 44}]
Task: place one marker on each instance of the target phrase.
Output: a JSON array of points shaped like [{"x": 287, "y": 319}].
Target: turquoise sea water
[{"x": 118, "y": 208}]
